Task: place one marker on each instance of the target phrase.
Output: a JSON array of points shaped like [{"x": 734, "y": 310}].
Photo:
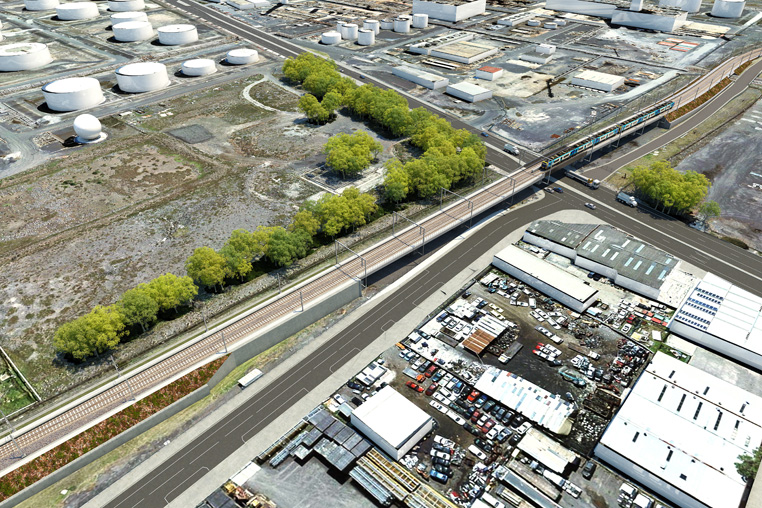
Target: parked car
[
  {"x": 441, "y": 448},
  {"x": 471, "y": 429},
  {"x": 475, "y": 417},
  {"x": 480, "y": 401},
  {"x": 589, "y": 469},
  {"x": 473, "y": 396},
  {"x": 503, "y": 435},
  {"x": 430, "y": 371},
  {"x": 476, "y": 451},
  {"x": 437, "y": 376},
  {"x": 444, "y": 441},
  {"x": 488, "y": 426},
  {"x": 445, "y": 470},
  {"x": 414, "y": 386},
  {"x": 515, "y": 439},
  {"x": 438, "y": 476},
  {"x": 437, "y": 460},
  {"x": 431, "y": 389},
  {"x": 441, "y": 455},
  {"x": 354, "y": 386},
  {"x": 339, "y": 399},
  {"x": 484, "y": 445}
]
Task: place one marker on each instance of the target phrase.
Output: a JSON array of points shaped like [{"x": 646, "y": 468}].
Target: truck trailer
[
  {"x": 590, "y": 182},
  {"x": 626, "y": 199}
]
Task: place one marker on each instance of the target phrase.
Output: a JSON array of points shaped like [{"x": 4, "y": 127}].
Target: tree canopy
[
  {"x": 138, "y": 308},
  {"x": 170, "y": 291},
  {"x": 207, "y": 267},
  {"x": 287, "y": 246},
  {"x": 349, "y": 154},
  {"x": 748, "y": 465},
  {"x": 93, "y": 333},
  {"x": 348, "y": 210},
  {"x": 661, "y": 184}
]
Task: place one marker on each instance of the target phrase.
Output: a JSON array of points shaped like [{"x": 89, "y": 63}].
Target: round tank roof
[
  {"x": 242, "y": 52},
  {"x": 141, "y": 69},
  {"x": 68, "y": 85},
  {"x": 121, "y": 17},
  {"x": 176, "y": 28},
  {"x": 22, "y": 48}
]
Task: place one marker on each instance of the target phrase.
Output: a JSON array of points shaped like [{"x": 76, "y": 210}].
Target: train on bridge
[{"x": 565, "y": 153}]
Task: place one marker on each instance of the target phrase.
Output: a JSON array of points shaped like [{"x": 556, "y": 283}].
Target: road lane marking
[{"x": 171, "y": 491}]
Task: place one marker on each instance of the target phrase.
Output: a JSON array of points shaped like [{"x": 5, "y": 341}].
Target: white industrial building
[
  {"x": 724, "y": 318},
  {"x": 515, "y": 19},
  {"x": 175, "y": 35},
  {"x": 489, "y": 73},
  {"x": 425, "y": 79},
  {"x": 588, "y": 8},
  {"x": 545, "y": 409},
  {"x": 40, "y": 5},
  {"x": 598, "y": 80},
  {"x": 665, "y": 19},
  {"x": 72, "y": 94},
  {"x": 242, "y": 56},
  {"x": 680, "y": 432},
  {"x": 131, "y": 31},
  {"x": 555, "y": 282},
  {"x": 453, "y": 10},
  {"x": 126, "y": 5},
  {"x": 728, "y": 8},
  {"x": 142, "y": 77},
  {"x": 24, "y": 56},
  {"x": 392, "y": 422},
  {"x": 463, "y": 51},
  {"x": 77, "y": 10},
  {"x": 469, "y": 92},
  {"x": 199, "y": 67}
]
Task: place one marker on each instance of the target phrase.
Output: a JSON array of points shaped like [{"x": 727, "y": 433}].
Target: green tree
[
  {"x": 207, "y": 267},
  {"x": 170, "y": 291},
  {"x": 240, "y": 250},
  {"x": 709, "y": 210},
  {"x": 299, "y": 68},
  {"x": 397, "y": 120},
  {"x": 748, "y": 465},
  {"x": 311, "y": 107},
  {"x": 349, "y": 154},
  {"x": 137, "y": 307},
  {"x": 396, "y": 181},
  {"x": 93, "y": 333},
  {"x": 285, "y": 247},
  {"x": 304, "y": 221},
  {"x": 663, "y": 185}
]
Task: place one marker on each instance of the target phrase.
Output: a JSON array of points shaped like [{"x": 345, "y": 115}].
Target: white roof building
[
  {"x": 724, "y": 318},
  {"x": 598, "y": 80},
  {"x": 392, "y": 422},
  {"x": 469, "y": 92},
  {"x": 680, "y": 432}
]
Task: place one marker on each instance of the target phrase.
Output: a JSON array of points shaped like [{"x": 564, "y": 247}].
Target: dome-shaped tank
[
  {"x": 366, "y": 37},
  {"x": 142, "y": 77},
  {"x": 348, "y": 32},
  {"x": 372, "y": 24},
  {"x": 72, "y": 94},
  {"x": 40, "y": 5},
  {"x": 330, "y": 38},
  {"x": 728, "y": 8},
  {"x": 174, "y": 35},
  {"x": 242, "y": 56},
  {"x": 126, "y": 5},
  {"x": 402, "y": 25},
  {"x": 387, "y": 24},
  {"x": 77, "y": 10},
  {"x": 87, "y": 128},
  {"x": 420, "y": 20},
  {"x": 24, "y": 56},
  {"x": 199, "y": 67},
  {"x": 124, "y": 17},
  {"x": 131, "y": 31}
]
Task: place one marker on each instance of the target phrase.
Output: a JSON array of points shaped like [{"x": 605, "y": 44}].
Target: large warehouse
[
  {"x": 392, "y": 422},
  {"x": 550, "y": 279},
  {"x": 724, "y": 318},
  {"x": 419, "y": 77},
  {"x": 469, "y": 92},
  {"x": 452, "y": 10},
  {"x": 598, "y": 80},
  {"x": 680, "y": 432}
]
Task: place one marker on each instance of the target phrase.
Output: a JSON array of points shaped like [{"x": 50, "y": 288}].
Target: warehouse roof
[
  {"x": 390, "y": 415},
  {"x": 688, "y": 428},
  {"x": 547, "y": 273},
  {"x": 469, "y": 88},
  {"x": 726, "y": 311},
  {"x": 568, "y": 235},
  {"x": 599, "y": 77},
  {"x": 478, "y": 341},
  {"x": 488, "y": 68},
  {"x": 467, "y": 49}
]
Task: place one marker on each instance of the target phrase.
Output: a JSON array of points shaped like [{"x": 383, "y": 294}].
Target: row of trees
[
  {"x": 664, "y": 186},
  {"x": 349, "y": 154},
  {"x": 104, "y": 327}
]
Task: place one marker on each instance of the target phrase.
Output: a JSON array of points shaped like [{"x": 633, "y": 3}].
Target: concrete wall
[
  {"x": 646, "y": 479},
  {"x": 742, "y": 355},
  {"x": 600, "y": 10},
  {"x": 297, "y": 322},
  {"x": 449, "y": 12}
]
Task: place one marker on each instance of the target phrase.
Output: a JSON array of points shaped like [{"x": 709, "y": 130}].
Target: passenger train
[{"x": 591, "y": 141}]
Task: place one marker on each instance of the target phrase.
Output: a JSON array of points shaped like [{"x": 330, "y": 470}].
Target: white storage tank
[
  {"x": 40, "y": 5},
  {"x": 88, "y": 129},
  {"x": 372, "y": 24},
  {"x": 126, "y": 5},
  {"x": 728, "y": 8},
  {"x": 387, "y": 24},
  {"x": 24, "y": 56},
  {"x": 402, "y": 25},
  {"x": 132, "y": 31},
  {"x": 72, "y": 94},
  {"x": 420, "y": 20},
  {"x": 174, "y": 35},
  {"x": 349, "y": 32},
  {"x": 77, "y": 10},
  {"x": 533, "y": 22},
  {"x": 562, "y": 22},
  {"x": 330, "y": 38},
  {"x": 693, "y": 6},
  {"x": 242, "y": 56},
  {"x": 340, "y": 25},
  {"x": 199, "y": 67},
  {"x": 124, "y": 17},
  {"x": 142, "y": 77},
  {"x": 366, "y": 37},
  {"x": 550, "y": 25}
]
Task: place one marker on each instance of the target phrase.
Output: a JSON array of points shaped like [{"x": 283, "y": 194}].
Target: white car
[
  {"x": 441, "y": 455},
  {"x": 456, "y": 417},
  {"x": 440, "y": 398},
  {"x": 439, "y": 407},
  {"x": 339, "y": 399},
  {"x": 444, "y": 441},
  {"x": 479, "y": 454}
]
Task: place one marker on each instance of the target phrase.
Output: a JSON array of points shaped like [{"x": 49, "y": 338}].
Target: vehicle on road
[
  {"x": 590, "y": 182},
  {"x": 628, "y": 200},
  {"x": 362, "y": 76},
  {"x": 511, "y": 149},
  {"x": 590, "y": 206},
  {"x": 560, "y": 190},
  {"x": 249, "y": 378},
  {"x": 485, "y": 134}
]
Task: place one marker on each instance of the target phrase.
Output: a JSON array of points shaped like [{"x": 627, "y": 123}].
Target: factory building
[
  {"x": 453, "y": 10},
  {"x": 588, "y": 8},
  {"x": 489, "y": 73},
  {"x": 72, "y": 94},
  {"x": 469, "y": 92},
  {"x": 724, "y": 318},
  {"x": 598, "y": 80},
  {"x": 679, "y": 433},
  {"x": 728, "y": 8},
  {"x": 665, "y": 19},
  {"x": 550, "y": 279},
  {"x": 392, "y": 422},
  {"x": 515, "y": 19},
  {"x": 463, "y": 51},
  {"x": 425, "y": 79}
]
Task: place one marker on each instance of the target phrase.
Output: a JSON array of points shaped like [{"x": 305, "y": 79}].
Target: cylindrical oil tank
[
  {"x": 87, "y": 128},
  {"x": 366, "y": 37},
  {"x": 199, "y": 67},
  {"x": 693, "y": 6},
  {"x": 550, "y": 25},
  {"x": 349, "y": 32},
  {"x": 372, "y": 24},
  {"x": 72, "y": 94},
  {"x": 340, "y": 24},
  {"x": 126, "y": 5},
  {"x": 24, "y": 56},
  {"x": 533, "y": 22},
  {"x": 728, "y": 8},
  {"x": 562, "y": 22},
  {"x": 124, "y": 17},
  {"x": 77, "y": 10},
  {"x": 420, "y": 20},
  {"x": 174, "y": 35},
  {"x": 40, "y": 5},
  {"x": 402, "y": 25},
  {"x": 131, "y": 31},
  {"x": 142, "y": 77},
  {"x": 330, "y": 38},
  {"x": 242, "y": 56},
  {"x": 387, "y": 24}
]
